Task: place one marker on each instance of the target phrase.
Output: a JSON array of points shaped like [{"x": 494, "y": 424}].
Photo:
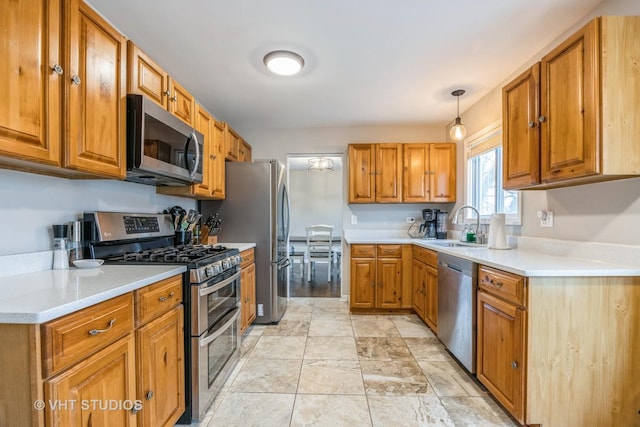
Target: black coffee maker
[{"x": 429, "y": 217}]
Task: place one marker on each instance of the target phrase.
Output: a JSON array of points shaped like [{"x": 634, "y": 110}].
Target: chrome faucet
[{"x": 457, "y": 212}]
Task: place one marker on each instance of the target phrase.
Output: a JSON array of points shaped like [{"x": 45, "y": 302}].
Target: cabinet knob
[
  {"x": 76, "y": 80},
  {"x": 149, "y": 395},
  {"x": 212, "y": 157},
  {"x": 532, "y": 124},
  {"x": 174, "y": 98},
  {"x": 57, "y": 69},
  {"x": 514, "y": 364},
  {"x": 373, "y": 284},
  {"x": 136, "y": 409},
  {"x": 542, "y": 119},
  {"x": 167, "y": 93}
]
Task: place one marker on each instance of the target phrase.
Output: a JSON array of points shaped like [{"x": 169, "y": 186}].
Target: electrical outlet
[
  {"x": 260, "y": 310},
  {"x": 410, "y": 220},
  {"x": 546, "y": 219},
  {"x": 354, "y": 219}
]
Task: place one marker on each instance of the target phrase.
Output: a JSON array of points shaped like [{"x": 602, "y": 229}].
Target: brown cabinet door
[
  {"x": 521, "y": 130},
  {"x": 500, "y": 355},
  {"x": 570, "y": 107},
  {"x": 362, "y": 169},
  {"x": 181, "y": 104},
  {"x": 232, "y": 145},
  {"x": 160, "y": 355},
  {"x": 251, "y": 293},
  {"x": 244, "y": 295},
  {"x": 85, "y": 388},
  {"x": 244, "y": 148},
  {"x": 418, "y": 285},
  {"x": 30, "y": 109},
  {"x": 442, "y": 174},
  {"x": 415, "y": 182},
  {"x": 431, "y": 297},
  {"x": 145, "y": 77},
  {"x": 203, "y": 125},
  {"x": 388, "y": 173},
  {"x": 217, "y": 166},
  {"x": 389, "y": 283},
  {"x": 95, "y": 114},
  {"x": 363, "y": 282}
]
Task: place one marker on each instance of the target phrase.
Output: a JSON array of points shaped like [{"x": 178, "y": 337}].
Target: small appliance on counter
[
  {"x": 497, "y": 232},
  {"x": 428, "y": 227},
  {"x": 441, "y": 224},
  {"x": 60, "y": 254}
]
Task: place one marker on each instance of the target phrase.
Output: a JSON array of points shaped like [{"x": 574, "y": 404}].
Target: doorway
[{"x": 316, "y": 197}]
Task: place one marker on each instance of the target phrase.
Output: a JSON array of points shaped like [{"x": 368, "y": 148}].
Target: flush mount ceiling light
[
  {"x": 320, "y": 164},
  {"x": 458, "y": 131},
  {"x": 283, "y": 62}
]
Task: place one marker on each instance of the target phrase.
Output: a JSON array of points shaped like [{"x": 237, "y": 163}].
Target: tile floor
[{"x": 321, "y": 366}]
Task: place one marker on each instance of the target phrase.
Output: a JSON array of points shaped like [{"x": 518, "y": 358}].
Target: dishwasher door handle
[{"x": 451, "y": 267}]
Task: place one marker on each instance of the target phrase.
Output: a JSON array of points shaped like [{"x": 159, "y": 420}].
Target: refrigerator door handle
[{"x": 286, "y": 264}]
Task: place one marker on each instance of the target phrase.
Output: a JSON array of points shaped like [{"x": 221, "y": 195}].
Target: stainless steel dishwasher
[{"x": 457, "y": 283}]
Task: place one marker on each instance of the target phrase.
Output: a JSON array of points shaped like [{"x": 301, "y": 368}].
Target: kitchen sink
[{"x": 450, "y": 244}]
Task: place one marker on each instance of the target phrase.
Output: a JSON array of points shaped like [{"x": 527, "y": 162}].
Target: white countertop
[
  {"x": 240, "y": 246},
  {"x": 41, "y": 296},
  {"x": 528, "y": 263}
]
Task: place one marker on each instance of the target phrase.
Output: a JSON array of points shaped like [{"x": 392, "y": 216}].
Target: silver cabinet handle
[
  {"x": 532, "y": 124},
  {"x": 149, "y": 395},
  {"x": 514, "y": 364},
  {"x": 542, "y": 119},
  {"x": 100, "y": 331},
  {"x": 57, "y": 69},
  {"x": 174, "y": 98},
  {"x": 76, "y": 80},
  {"x": 163, "y": 299},
  {"x": 167, "y": 93}
]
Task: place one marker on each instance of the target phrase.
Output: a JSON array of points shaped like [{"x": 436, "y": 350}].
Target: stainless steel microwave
[{"x": 161, "y": 149}]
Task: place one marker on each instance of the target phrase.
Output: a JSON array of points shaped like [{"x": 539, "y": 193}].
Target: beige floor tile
[
  {"x": 267, "y": 376},
  {"x": 331, "y": 348},
  {"x": 301, "y": 302},
  {"x": 330, "y": 313},
  {"x": 234, "y": 374},
  {"x": 427, "y": 349},
  {"x": 330, "y": 377},
  {"x": 288, "y": 327},
  {"x": 330, "y": 411},
  {"x": 254, "y": 409},
  {"x": 331, "y": 302},
  {"x": 304, "y": 314},
  {"x": 248, "y": 343},
  {"x": 373, "y": 326},
  {"x": 276, "y": 347},
  {"x": 408, "y": 411},
  {"x": 443, "y": 377},
  {"x": 330, "y": 328},
  {"x": 382, "y": 348},
  {"x": 474, "y": 411},
  {"x": 394, "y": 378},
  {"x": 412, "y": 327},
  {"x": 255, "y": 330}
]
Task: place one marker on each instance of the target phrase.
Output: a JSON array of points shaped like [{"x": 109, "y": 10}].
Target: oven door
[
  {"x": 212, "y": 301},
  {"x": 215, "y": 354}
]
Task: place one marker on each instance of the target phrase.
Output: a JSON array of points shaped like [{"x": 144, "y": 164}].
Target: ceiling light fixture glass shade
[
  {"x": 458, "y": 130},
  {"x": 320, "y": 164},
  {"x": 283, "y": 62}
]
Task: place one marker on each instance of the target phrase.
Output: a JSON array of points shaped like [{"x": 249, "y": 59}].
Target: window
[{"x": 484, "y": 177}]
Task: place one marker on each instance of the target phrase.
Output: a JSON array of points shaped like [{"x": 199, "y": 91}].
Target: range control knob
[
  {"x": 217, "y": 268},
  {"x": 208, "y": 270},
  {"x": 235, "y": 260},
  {"x": 226, "y": 264}
]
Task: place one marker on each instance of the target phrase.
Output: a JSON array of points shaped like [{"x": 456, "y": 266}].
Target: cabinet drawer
[
  {"x": 426, "y": 255},
  {"x": 502, "y": 284},
  {"x": 390, "y": 251},
  {"x": 248, "y": 258},
  {"x": 363, "y": 251},
  {"x": 74, "y": 337},
  {"x": 153, "y": 300}
]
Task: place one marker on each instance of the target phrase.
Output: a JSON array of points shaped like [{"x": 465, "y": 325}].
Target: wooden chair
[{"x": 319, "y": 242}]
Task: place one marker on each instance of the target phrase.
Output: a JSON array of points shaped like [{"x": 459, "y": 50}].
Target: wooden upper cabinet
[
  {"x": 216, "y": 164},
  {"x": 569, "y": 109},
  {"x": 388, "y": 173},
  {"x": 96, "y": 109},
  {"x": 30, "y": 106},
  {"x": 204, "y": 123},
  {"x": 245, "y": 151},
  {"x": 232, "y": 145},
  {"x": 520, "y": 130},
  {"x": 145, "y": 77},
  {"x": 588, "y": 120},
  {"x": 362, "y": 173},
  {"x": 442, "y": 176},
  {"x": 181, "y": 103},
  {"x": 429, "y": 172}
]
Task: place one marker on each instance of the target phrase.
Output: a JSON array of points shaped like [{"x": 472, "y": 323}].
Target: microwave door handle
[{"x": 192, "y": 173}]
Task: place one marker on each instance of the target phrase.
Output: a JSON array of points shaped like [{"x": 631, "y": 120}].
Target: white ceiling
[{"x": 367, "y": 62}]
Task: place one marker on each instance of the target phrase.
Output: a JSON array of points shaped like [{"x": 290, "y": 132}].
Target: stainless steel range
[{"x": 211, "y": 293}]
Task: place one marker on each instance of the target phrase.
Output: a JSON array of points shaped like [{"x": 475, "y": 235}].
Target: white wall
[
  {"x": 316, "y": 198},
  {"x": 31, "y": 203},
  {"x": 605, "y": 212}
]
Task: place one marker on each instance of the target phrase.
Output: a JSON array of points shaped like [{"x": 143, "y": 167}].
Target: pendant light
[{"x": 458, "y": 131}]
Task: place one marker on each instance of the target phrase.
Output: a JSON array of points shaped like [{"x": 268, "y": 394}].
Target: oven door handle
[
  {"x": 206, "y": 290},
  {"x": 208, "y": 340}
]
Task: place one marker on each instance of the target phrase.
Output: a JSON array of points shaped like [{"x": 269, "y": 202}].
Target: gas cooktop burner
[{"x": 171, "y": 254}]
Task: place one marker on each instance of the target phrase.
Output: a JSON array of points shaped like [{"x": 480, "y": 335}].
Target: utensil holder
[
  {"x": 214, "y": 231},
  {"x": 183, "y": 237}
]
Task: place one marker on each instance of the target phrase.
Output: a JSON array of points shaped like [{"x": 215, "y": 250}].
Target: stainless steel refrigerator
[{"x": 256, "y": 209}]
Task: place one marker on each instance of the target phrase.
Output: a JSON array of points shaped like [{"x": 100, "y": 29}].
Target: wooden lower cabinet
[
  {"x": 376, "y": 277},
  {"x": 96, "y": 367},
  {"x": 247, "y": 289},
  {"x": 99, "y": 391},
  {"x": 425, "y": 286}
]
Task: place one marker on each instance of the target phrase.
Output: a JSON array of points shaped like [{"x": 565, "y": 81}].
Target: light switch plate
[
  {"x": 547, "y": 221},
  {"x": 354, "y": 219}
]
